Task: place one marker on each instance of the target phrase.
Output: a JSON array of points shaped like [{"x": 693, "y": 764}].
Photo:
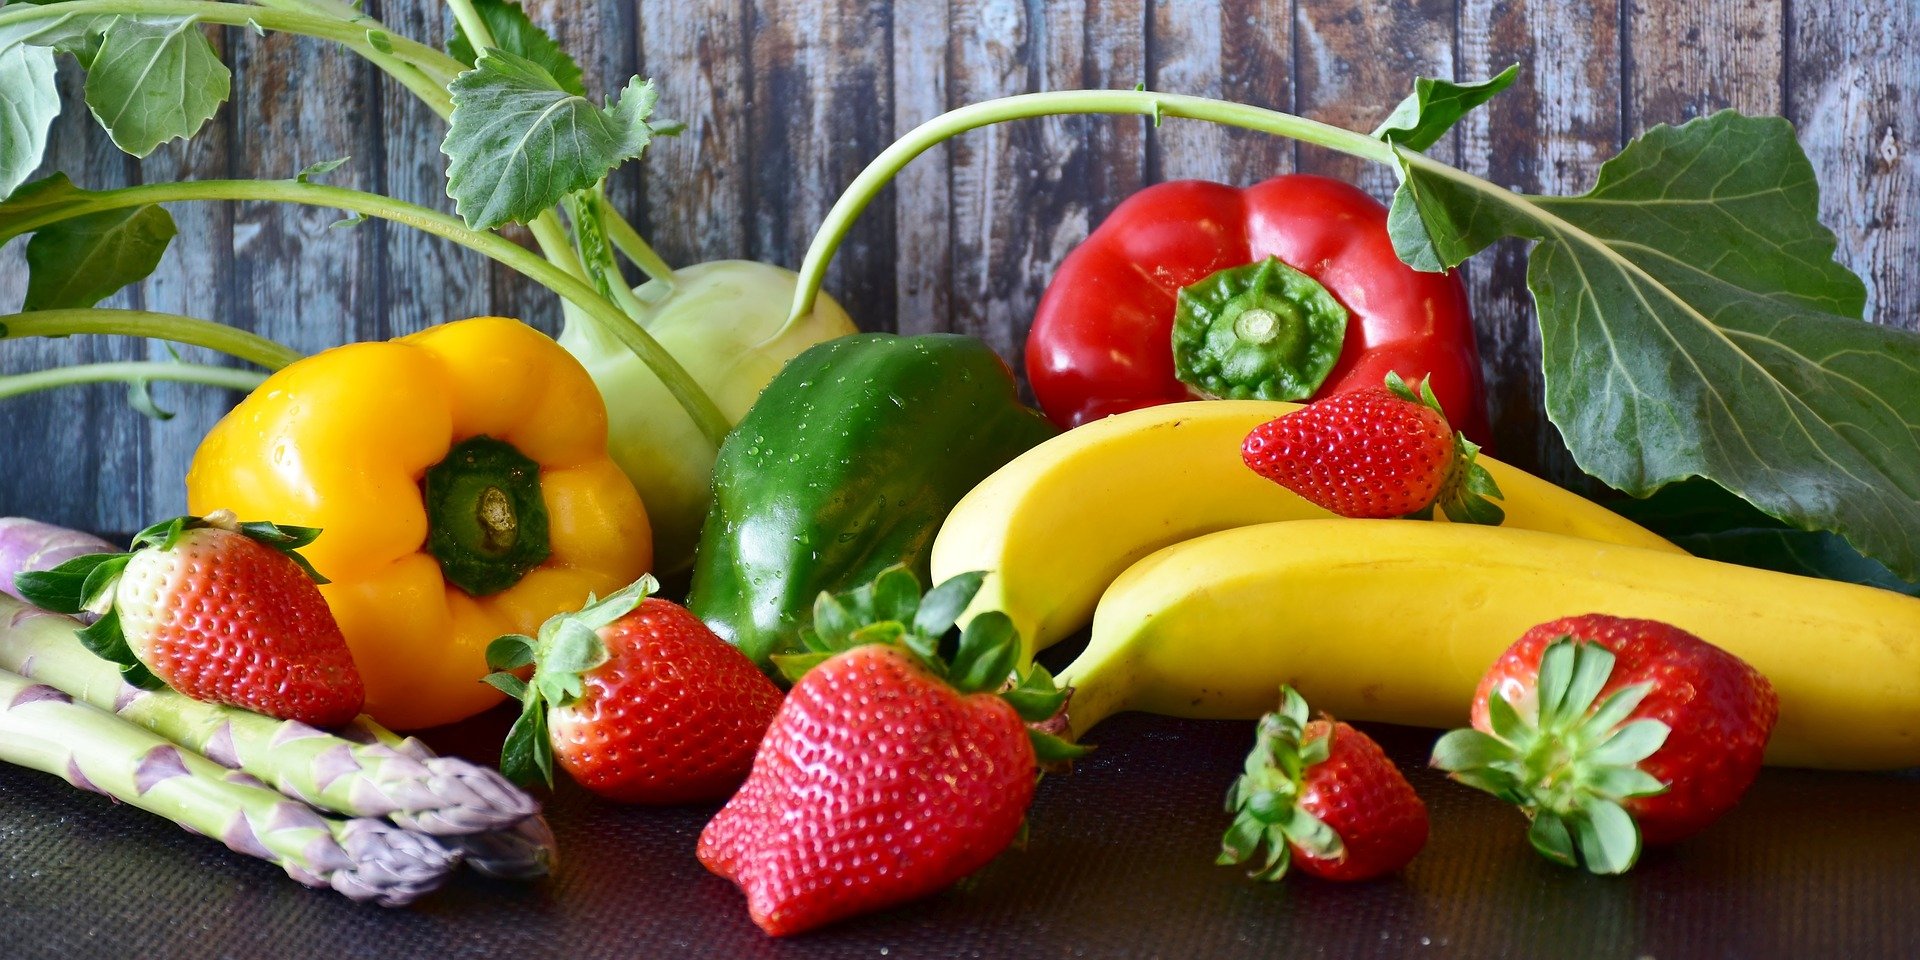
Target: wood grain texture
[
  {"x": 1025, "y": 193},
  {"x": 428, "y": 280},
  {"x": 819, "y": 94},
  {"x": 1231, "y": 49},
  {"x": 785, "y": 100},
  {"x": 1854, "y": 93},
  {"x": 1354, "y": 59},
  {"x": 1549, "y": 134},
  {"x": 695, "y": 185}
]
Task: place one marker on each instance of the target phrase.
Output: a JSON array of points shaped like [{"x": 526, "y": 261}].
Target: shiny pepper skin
[
  {"x": 342, "y": 441},
  {"x": 673, "y": 715},
  {"x": 877, "y": 784}
]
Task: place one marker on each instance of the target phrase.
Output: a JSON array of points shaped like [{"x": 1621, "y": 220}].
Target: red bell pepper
[{"x": 1337, "y": 312}]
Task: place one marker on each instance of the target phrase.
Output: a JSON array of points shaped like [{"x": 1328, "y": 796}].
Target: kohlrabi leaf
[
  {"x": 519, "y": 142},
  {"x": 516, "y": 33},
  {"x": 74, "y": 33},
  {"x": 1694, "y": 323},
  {"x": 1417, "y": 123},
  {"x": 317, "y": 170},
  {"x": 1809, "y": 554},
  {"x": 28, "y": 104},
  {"x": 155, "y": 80},
  {"x": 43, "y": 200},
  {"x": 1434, "y": 106},
  {"x": 79, "y": 262}
]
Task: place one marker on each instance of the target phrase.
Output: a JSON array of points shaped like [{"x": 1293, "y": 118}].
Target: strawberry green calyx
[
  {"x": 86, "y": 584},
  {"x": 1470, "y": 490},
  {"x": 1570, "y": 766},
  {"x": 567, "y": 647},
  {"x": 984, "y": 658},
  {"x": 1264, "y": 799}
]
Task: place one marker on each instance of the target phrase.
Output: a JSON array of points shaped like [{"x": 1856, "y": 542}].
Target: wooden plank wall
[{"x": 786, "y": 99}]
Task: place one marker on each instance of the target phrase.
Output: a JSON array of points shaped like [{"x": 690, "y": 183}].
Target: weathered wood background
[{"x": 787, "y": 99}]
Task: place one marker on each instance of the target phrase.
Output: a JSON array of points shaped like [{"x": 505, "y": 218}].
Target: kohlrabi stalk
[
  {"x": 881, "y": 170},
  {"x": 437, "y": 67},
  {"x": 613, "y": 322},
  {"x": 132, "y": 372},
  {"x": 426, "y": 72},
  {"x": 192, "y": 331}
]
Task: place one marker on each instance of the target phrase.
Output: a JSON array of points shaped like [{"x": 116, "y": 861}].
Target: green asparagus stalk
[
  {"x": 444, "y": 796},
  {"x": 524, "y": 851},
  {"x": 44, "y": 729}
]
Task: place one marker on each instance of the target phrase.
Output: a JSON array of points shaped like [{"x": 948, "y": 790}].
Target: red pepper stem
[
  {"x": 1260, "y": 331},
  {"x": 881, "y": 171}
]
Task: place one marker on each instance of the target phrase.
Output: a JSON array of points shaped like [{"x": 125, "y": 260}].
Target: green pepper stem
[
  {"x": 133, "y": 371},
  {"x": 877, "y": 174},
  {"x": 233, "y": 342},
  {"x": 570, "y": 287}
]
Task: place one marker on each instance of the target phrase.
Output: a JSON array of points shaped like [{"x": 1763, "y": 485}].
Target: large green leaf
[
  {"x": 28, "y": 104},
  {"x": 155, "y": 80},
  {"x": 519, "y": 142},
  {"x": 79, "y": 262},
  {"x": 45, "y": 199},
  {"x": 516, "y": 33},
  {"x": 1694, "y": 323}
]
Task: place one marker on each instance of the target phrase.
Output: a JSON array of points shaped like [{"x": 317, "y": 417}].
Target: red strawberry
[
  {"x": 1376, "y": 453},
  {"x": 1326, "y": 794},
  {"x": 887, "y": 774},
  {"x": 1676, "y": 738},
  {"x": 220, "y": 611},
  {"x": 639, "y": 701}
]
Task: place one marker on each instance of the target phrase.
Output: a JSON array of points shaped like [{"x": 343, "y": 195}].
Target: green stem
[
  {"x": 472, "y": 24},
  {"x": 437, "y": 66},
  {"x": 635, "y": 247},
  {"x": 569, "y": 286},
  {"x": 546, "y": 228},
  {"x": 433, "y": 93},
  {"x": 622, "y": 293},
  {"x": 250, "y": 347},
  {"x": 877, "y": 174},
  {"x": 227, "y": 378}
]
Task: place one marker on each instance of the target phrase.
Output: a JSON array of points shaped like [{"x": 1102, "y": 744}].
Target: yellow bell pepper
[{"x": 462, "y": 486}]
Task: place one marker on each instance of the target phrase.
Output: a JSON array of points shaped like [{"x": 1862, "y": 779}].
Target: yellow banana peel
[
  {"x": 1054, "y": 527},
  {"x": 1396, "y": 621}
]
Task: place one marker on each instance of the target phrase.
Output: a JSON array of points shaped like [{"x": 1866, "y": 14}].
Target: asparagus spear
[
  {"x": 44, "y": 729},
  {"x": 438, "y": 795},
  {"x": 31, "y": 545},
  {"x": 524, "y": 851}
]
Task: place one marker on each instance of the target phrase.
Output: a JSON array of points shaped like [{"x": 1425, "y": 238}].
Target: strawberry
[
  {"x": 1322, "y": 794},
  {"x": 1676, "y": 738},
  {"x": 639, "y": 701},
  {"x": 221, "y": 611},
  {"x": 1376, "y": 453},
  {"x": 889, "y": 773}
]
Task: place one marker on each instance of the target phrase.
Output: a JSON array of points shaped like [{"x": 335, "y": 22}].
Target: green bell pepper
[{"x": 846, "y": 465}]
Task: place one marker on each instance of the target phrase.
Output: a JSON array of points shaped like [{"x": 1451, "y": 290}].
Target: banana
[
  {"x": 1058, "y": 524},
  {"x": 1396, "y": 621}
]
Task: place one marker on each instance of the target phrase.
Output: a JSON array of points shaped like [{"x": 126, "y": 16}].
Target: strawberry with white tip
[{"x": 222, "y": 611}]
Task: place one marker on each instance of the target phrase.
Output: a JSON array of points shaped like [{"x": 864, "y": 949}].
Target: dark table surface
[{"x": 1119, "y": 865}]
